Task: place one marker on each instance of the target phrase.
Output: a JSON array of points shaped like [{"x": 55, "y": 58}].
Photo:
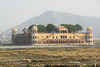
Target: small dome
[
  {"x": 89, "y": 28},
  {"x": 14, "y": 29},
  {"x": 34, "y": 28},
  {"x": 26, "y": 27},
  {"x": 61, "y": 27}
]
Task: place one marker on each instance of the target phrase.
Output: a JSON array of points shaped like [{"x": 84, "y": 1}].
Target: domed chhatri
[
  {"x": 60, "y": 37},
  {"x": 89, "y": 28},
  {"x": 25, "y": 30},
  {"x": 26, "y": 27},
  {"x": 14, "y": 29},
  {"x": 34, "y": 28},
  {"x": 61, "y": 27}
]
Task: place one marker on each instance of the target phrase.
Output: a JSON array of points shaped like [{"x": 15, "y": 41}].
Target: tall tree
[
  {"x": 51, "y": 28},
  {"x": 41, "y": 28},
  {"x": 71, "y": 28},
  {"x": 65, "y": 25},
  {"x": 30, "y": 27},
  {"x": 78, "y": 27}
]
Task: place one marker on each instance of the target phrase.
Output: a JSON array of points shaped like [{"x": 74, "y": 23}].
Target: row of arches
[
  {"x": 62, "y": 41},
  {"x": 64, "y": 31},
  {"x": 62, "y": 37}
]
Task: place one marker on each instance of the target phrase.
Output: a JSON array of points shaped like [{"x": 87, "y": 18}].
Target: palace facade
[{"x": 61, "y": 37}]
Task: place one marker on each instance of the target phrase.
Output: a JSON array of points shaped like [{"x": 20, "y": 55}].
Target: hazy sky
[{"x": 14, "y": 12}]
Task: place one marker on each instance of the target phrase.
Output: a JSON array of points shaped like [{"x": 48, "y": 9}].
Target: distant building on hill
[{"x": 61, "y": 37}]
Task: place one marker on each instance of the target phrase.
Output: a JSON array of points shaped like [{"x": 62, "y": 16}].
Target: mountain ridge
[{"x": 58, "y": 18}]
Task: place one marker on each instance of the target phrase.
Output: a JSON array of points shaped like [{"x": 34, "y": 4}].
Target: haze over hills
[
  {"x": 0, "y": 31},
  {"x": 58, "y": 18}
]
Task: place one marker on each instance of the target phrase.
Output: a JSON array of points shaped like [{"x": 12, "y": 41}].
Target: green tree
[
  {"x": 41, "y": 28},
  {"x": 65, "y": 25},
  {"x": 51, "y": 28},
  {"x": 78, "y": 27},
  {"x": 71, "y": 28},
  {"x": 30, "y": 27}
]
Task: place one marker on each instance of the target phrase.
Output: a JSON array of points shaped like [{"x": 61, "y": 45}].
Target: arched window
[
  {"x": 61, "y": 41},
  {"x": 73, "y": 41},
  {"x": 53, "y": 41},
  {"x": 56, "y": 41},
  {"x": 73, "y": 36},
  {"x": 70, "y": 36},
  {"x": 79, "y": 41},
  {"x": 47, "y": 42},
  {"x": 56, "y": 36},
  {"x": 63, "y": 37},
  {"x": 53, "y": 37},
  {"x": 47, "y": 36},
  {"x": 50, "y": 41},
  {"x": 70, "y": 41},
  {"x": 65, "y": 41},
  {"x": 82, "y": 41},
  {"x": 42, "y": 36},
  {"x": 63, "y": 31}
]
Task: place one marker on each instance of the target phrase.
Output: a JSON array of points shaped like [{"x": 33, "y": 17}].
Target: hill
[{"x": 58, "y": 18}]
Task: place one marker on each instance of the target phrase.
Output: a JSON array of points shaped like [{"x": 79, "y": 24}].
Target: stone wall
[{"x": 23, "y": 39}]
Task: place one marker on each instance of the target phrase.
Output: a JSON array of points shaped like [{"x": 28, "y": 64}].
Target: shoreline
[{"x": 48, "y": 46}]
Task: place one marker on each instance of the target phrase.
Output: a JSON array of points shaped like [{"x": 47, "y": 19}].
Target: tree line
[{"x": 52, "y": 28}]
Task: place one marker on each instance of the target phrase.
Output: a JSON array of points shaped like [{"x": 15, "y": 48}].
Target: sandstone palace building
[{"x": 61, "y": 37}]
